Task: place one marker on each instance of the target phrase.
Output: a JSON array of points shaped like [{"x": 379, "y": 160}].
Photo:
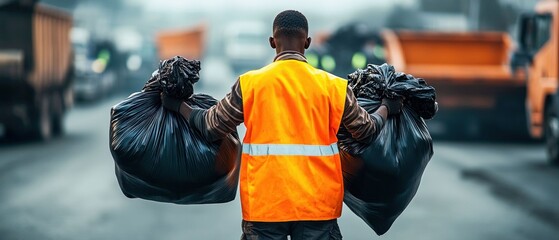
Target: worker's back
[{"x": 291, "y": 168}]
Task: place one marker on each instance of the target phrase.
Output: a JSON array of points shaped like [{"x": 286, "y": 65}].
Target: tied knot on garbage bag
[
  {"x": 371, "y": 81},
  {"x": 158, "y": 156},
  {"x": 177, "y": 76},
  {"x": 381, "y": 177}
]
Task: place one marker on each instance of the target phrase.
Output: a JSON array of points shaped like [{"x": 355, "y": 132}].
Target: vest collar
[{"x": 290, "y": 55}]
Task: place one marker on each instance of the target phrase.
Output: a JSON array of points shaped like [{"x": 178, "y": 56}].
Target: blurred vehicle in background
[
  {"x": 93, "y": 79},
  {"x": 188, "y": 43},
  {"x": 247, "y": 46},
  {"x": 35, "y": 69},
  {"x": 135, "y": 59},
  {"x": 476, "y": 90},
  {"x": 538, "y": 59},
  {"x": 350, "y": 47},
  {"x": 138, "y": 65}
]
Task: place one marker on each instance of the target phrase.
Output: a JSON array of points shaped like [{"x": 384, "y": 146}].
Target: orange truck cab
[
  {"x": 476, "y": 90},
  {"x": 537, "y": 59}
]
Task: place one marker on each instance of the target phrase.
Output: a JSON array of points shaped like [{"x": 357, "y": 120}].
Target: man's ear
[
  {"x": 308, "y": 43},
  {"x": 272, "y": 43}
]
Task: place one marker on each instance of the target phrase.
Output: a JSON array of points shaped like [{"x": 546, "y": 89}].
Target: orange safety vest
[{"x": 290, "y": 166}]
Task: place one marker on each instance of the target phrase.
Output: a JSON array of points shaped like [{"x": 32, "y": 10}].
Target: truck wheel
[
  {"x": 43, "y": 122},
  {"x": 16, "y": 135},
  {"x": 58, "y": 124},
  {"x": 57, "y": 108},
  {"x": 551, "y": 133}
]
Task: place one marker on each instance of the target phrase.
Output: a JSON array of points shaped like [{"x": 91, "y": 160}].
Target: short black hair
[{"x": 290, "y": 23}]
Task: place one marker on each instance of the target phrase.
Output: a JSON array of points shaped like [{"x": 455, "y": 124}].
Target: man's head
[{"x": 290, "y": 32}]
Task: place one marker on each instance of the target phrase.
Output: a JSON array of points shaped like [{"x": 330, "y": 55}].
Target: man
[{"x": 291, "y": 177}]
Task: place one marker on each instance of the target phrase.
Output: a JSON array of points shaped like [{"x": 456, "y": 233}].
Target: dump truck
[
  {"x": 35, "y": 69},
  {"x": 477, "y": 92},
  {"x": 476, "y": 89},
  {"x": 188, "y": 43},
  {"x": 537, "y": 59}
]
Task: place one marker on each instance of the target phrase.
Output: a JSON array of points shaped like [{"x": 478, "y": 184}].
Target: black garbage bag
[
  {"x": 382, "y": 177},
  {"x": 158, "y": 156}
]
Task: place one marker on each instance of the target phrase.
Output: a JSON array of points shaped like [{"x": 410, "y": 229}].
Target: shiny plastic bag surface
[
  {"x": 159, "y": 157},
  {"x": 382, "y": 177}
]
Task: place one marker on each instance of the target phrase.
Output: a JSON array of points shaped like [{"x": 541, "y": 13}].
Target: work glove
[
  {"x": 171, "y": 103},
  {"x": 394, "y": 105}
]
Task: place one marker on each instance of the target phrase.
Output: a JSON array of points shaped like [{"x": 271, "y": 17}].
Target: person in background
[{"x": 291, "y": 177}]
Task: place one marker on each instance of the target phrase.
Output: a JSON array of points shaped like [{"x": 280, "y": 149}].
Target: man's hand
[
  {"x": 394, "y": 105},
  {"x": 171, "y": 103}
]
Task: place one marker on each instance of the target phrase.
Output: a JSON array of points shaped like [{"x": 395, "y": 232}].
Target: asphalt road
[{"x": 66, "y": 189}]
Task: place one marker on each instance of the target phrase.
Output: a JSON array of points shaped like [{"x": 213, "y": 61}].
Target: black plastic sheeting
[
  {"x": 382, "y": 177},
  {"x": 158, "y": 156}
]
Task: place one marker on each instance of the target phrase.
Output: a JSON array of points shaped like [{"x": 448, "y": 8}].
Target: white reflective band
[{"x": 290, "y": 149}]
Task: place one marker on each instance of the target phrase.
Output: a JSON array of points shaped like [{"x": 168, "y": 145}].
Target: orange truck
[
  {"x": 35, "y": 69},
  {"x": 537, "y": 58},
  {"x": 188, "y": 43},
  {"x": 477, "y": 92}
]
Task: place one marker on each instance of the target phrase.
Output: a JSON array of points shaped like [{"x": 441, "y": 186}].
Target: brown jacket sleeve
[
  {"x": 362, "y": 125},
  {"x": 221, "y": 119}
]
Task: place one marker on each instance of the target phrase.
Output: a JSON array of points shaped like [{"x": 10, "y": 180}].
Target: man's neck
[
  {"x": 290, "y": 55},
  {"x": 301, "y": 51}
]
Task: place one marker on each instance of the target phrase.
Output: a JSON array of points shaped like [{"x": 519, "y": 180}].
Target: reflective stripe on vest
[{"x": 290, "y": 149}]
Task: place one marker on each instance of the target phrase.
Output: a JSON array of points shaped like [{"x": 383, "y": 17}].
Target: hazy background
[{"x": 484, "y": 181}]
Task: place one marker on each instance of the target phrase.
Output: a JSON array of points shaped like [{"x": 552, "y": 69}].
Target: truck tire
[
  {"x": 16, "y": 133},
  {"x": 58, "y": 124},
  {"x": 42, "y": 124},
  {"x": 57, "y": 107},
  {"x": 551, "y": 133}
]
